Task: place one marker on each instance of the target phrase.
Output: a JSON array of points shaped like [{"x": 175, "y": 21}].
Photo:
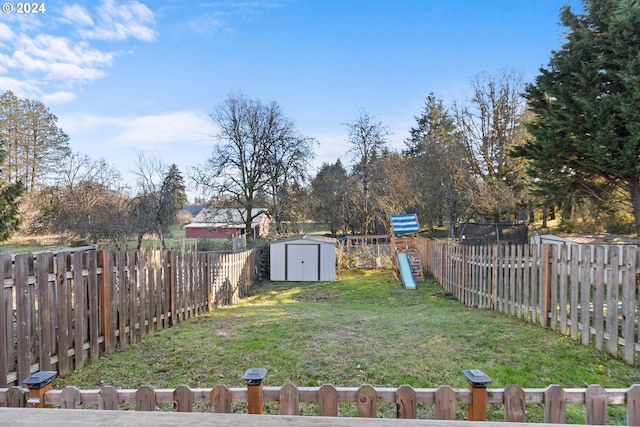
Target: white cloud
[
  {"x": 5, "y": 32},
  {"x": 53, "y": 60},
  {"x": 166, "y": 129},
  {"x": 146, "y": 132},
  {"x": 21, "y": 88},
  {"x": 76, "y": 15},
  {"x": 119, "y": 21},
  {"x": 58, "y": 98},
  {"x": 59, "y": 59}
]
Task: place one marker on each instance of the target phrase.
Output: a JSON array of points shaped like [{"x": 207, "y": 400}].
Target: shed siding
[{"x": 303, "y": 260}]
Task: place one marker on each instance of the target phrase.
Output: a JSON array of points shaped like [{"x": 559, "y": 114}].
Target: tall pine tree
[{"x": 586, "y": 129}]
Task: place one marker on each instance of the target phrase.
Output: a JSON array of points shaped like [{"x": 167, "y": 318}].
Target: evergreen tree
[
  {"x": 173, "y": 197},
  {"x": 9, "y": 194},
  {"x": 586, "y": 128},
  {"x": 34, "y": 145}
]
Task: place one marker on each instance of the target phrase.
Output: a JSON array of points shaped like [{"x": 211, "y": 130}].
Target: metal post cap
[{"x": 477, "y": 378}]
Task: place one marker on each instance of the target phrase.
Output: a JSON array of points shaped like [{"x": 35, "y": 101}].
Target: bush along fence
[
  {"x": 327, "y": 400},
  {"x": 58, "y": 308},
  {"x": 587, "y": 292}
]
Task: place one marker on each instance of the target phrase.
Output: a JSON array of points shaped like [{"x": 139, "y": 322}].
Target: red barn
[{"x": 212, "y": 223}]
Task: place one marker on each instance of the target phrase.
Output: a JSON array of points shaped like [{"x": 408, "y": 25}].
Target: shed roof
[{"x": 308, "y": 237}]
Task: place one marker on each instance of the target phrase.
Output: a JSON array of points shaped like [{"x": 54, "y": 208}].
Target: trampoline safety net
[{"x": 492, "y": 233}]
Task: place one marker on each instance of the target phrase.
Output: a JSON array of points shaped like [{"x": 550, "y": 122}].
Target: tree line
[
  {"x": 565, "y": 145},
  {"x": 47, "y": 188}
]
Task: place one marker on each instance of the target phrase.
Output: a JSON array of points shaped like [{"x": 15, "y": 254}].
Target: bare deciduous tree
[
  {"x": 258, "y": 154},
  {"x": 492, "y": 126},
  {"x": 367, "y": 139}
]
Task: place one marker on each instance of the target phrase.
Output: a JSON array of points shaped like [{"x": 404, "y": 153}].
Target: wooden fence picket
[
  {"x": 445, "y": 400},
  {"x": 596, "y": 405},
  {"x": 79, "y": 309},
  {"x": 289, "y": 400},
  {"x": 70, "y": 398},
  {"x": 366, "y": 401},
  {"x": 62, "y": 289},
  {"x": 46, "y": 303},
  {"x": 221, "y": 399},
  {"x": 555, "y": 405},
  {"x": 93, "y": 301},
  {"x": 613, "y": 290},
  {"x": 108, "y": 398},
  {"x": 16, "y": 397},
  {"x": 514, "y": 404},
  {"x": 328, "y": 401},
  {"x": 633, "y": 405},
  {"x": 145, "y": 398},
  {"x": 183, "y": 399},
  {"x": 406, "y": 402}
]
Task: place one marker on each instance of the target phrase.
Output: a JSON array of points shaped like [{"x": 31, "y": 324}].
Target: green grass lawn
[{"x": 362, "y": 329}]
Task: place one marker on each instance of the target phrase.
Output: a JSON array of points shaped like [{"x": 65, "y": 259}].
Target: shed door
[{"x": 303, "y": 263}]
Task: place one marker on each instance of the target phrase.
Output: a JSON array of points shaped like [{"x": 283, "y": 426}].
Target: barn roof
[
  {"x": 308, "y": 237},
  {"x": 226, "y": 218}
]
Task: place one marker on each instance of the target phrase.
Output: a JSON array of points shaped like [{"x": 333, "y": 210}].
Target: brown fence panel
[
  {"x": 584, "y": 291},
  {"x": 59, "y": 308}
]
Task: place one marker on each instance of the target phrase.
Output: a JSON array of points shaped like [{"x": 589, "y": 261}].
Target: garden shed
[{"x": 304, "y": 258}]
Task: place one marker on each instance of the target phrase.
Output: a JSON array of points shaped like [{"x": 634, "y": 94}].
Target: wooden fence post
[
  {"x": 254, "y": 377},
  {"x": 38, "y": 385},
  {"x": 477, "y": 382}
]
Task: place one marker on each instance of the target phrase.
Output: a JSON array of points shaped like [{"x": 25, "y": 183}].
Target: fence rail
[
  {"x": 58, "y": 309},
  {"x": 587, "y": 292},
  {"x": 514, "y": 399}
]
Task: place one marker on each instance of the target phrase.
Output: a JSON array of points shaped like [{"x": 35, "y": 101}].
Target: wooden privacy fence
[
  {"x": 445, "y": 400},
  {"x": 59, "y": 308},
  {"x": 587, "y": 292}
]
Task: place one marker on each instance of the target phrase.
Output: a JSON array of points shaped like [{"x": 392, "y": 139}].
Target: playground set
[{"x": 404, "y": 244}]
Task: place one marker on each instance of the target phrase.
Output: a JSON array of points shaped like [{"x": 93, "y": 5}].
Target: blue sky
[{"x": 143, "y": 76}]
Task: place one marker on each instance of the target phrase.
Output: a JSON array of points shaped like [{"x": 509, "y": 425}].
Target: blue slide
[{"x": 405, "y": 271}]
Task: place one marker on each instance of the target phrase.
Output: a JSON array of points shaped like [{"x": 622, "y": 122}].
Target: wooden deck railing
[{"x": 514, "y": 399}]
